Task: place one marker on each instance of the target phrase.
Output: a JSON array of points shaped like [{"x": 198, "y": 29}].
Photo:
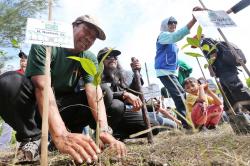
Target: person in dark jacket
[
  {"x": 122, "y": 103},
  {"x": 227, "y": 74}
]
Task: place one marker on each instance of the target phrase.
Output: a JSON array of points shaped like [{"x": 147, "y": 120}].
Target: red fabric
[
  {"x": 20, "y": 71},
  {"x": 208, "y": 116}
]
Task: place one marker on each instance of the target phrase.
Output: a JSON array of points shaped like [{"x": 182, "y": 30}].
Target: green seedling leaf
[
  {"x": 193, "y": 42},
  {"x": 206, "y": 47},
  {"x": 87, "y": 65},
  {"x": 193, "y": 54},
  {"x": 100, "y": 68},
  {"x": 199, "y": 32},
  {"x": 211, "y": 60},
  {"x": 15, "y": 43},
  {"x": 97, "y": 80},
  {"x": 218, "y": 91},
  {"x": 248, "y": 82},
  {"x": 206, "y": 66},
  {"x": 98, "y": 76},
  {"x": 186, "y": 45}
]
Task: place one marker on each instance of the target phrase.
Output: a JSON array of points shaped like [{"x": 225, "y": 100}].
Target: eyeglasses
[
  {"x": 172, "y": 22},
  {"x": 111, "y": 56}
]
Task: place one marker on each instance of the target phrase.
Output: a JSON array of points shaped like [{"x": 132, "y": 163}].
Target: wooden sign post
[
  {"x": 45, "y": 128},
  {"x": 144, "y": 108}
]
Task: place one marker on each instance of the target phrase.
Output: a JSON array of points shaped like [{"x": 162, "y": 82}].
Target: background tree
[{"x": 13, "y": 17}]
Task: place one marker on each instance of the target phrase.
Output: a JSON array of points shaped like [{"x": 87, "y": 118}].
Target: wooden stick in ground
[
  {"x": 147, "y": 73},
  {"x": 98, "y": 120},
  {"x": 201, "y": 68},
  {"x": 151, "y": 100},
  {"x": 44, "y": 140},
  {"x": 144, "y": 108}
]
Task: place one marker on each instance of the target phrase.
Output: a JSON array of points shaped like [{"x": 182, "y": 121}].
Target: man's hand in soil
[
  {"x": 115, "y": 145},
  {"x": 80, "y": 147}
]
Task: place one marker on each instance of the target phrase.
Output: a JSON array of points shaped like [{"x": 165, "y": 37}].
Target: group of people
[
  {"x": 72, "y": 108},
  {"x": 202, "y": 107}
]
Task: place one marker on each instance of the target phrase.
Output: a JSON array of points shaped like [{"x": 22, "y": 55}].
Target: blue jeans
[
  {"x": 5, "y": 137},
  {"x": 162, "y": 120},
  {"x": 177, "y": 92}
]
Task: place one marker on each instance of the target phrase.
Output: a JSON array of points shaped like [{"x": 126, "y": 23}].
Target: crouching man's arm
[
  {"x": 106, "y": 137},
  {"x": 78, "y": 146}
]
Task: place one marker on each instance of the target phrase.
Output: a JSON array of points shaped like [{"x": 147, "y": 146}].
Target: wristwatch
[{"x": 106, "y": 129}]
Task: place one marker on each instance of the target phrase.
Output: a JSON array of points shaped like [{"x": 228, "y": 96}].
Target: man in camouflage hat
[{"x": 69, "y": 110}]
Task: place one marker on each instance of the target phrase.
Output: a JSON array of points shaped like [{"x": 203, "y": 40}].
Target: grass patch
[{"x": 175, "y": 148}]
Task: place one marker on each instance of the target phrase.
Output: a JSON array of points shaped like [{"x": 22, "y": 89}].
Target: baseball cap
[
  {"x": 22, "y": 55},
  {"x": 93, "y": 21},
  {"x": 103, "y": 51}
]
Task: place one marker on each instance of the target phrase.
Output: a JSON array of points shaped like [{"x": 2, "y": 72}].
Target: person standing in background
[{"x": 166, "y": 60}]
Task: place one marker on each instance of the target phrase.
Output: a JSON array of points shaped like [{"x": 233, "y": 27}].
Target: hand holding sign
[{"x": 218, "y": 19}]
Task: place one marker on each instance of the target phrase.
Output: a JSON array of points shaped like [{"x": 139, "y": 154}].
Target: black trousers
[
  {"x": 18, "y": 108},
  {"x": 233, "y": 88},
  {"x": 123, "y": 122}
]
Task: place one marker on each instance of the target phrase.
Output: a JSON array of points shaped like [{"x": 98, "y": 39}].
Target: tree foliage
[{"x": 13, "y": 16}]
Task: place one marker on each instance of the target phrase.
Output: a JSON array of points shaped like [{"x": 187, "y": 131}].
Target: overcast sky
[{"x": 132, "y": 26}]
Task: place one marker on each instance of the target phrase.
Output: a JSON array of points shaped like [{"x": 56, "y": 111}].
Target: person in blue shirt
[{"x": 166, "y": 59}]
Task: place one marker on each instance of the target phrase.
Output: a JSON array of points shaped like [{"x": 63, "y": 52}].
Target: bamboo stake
[
  {"x": 201, "y": 68},
  {"x": 144, "y": 108},
  {"x": 98, "y": 120},
  {"x": 44, "y": 140},
  {"x": 151, "y": 100},
  {"x": 147, "y": 73}
]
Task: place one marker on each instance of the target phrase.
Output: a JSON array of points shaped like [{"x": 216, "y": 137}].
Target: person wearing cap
[
  {"x": 23, "y": 62},
  {"x": 69, "y": 111},
  {"x": 122, "y": 104},
  {"x": 166, "y": 59}
]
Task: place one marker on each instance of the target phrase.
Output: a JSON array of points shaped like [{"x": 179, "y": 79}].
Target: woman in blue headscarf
[{"x": 166, "y": 59}]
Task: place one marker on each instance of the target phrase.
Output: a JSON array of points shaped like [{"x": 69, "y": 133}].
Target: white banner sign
[
  {"x": 218, "y": 19},
  {"x": 151, "y": 91},
  {"x": 49, "y": 33}
]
